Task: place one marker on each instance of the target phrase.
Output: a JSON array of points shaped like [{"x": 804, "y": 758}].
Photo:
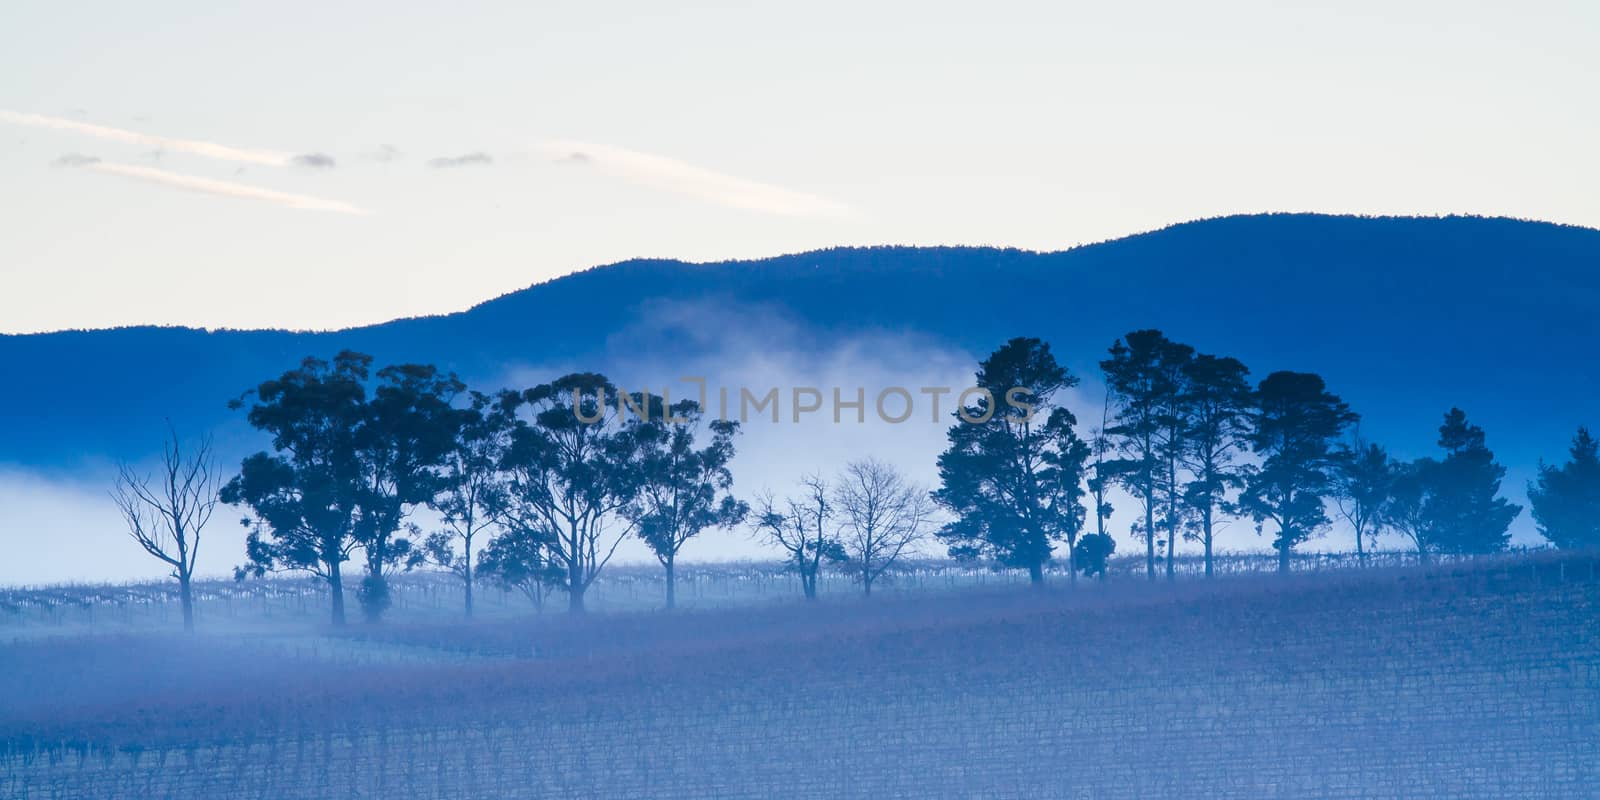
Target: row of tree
[
  {"x": 1195, "y": 444},
  {"x": 557, "y": 476}
]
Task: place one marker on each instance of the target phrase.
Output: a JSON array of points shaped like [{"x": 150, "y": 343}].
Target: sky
[{"x": 318, "y": 165}]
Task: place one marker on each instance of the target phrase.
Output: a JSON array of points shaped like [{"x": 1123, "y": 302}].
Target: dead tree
[{"x": 166, "y": 512}]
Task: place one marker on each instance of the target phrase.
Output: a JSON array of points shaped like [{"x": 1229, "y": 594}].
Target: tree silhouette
[
  {"x": 882, "y": 515},
  {"x": 1145, "y": 376},
  {"x": 471, "y": 489},
  {"x": 305, "y": 497},
  {"x": 1364, "y": 489},
  {"x": 681, "y": 491},
  {"x": 1452, "y": 505},
  {"x": 521, "y": 559},
  {"x": 1293, "y": 423},
  {"x": 1093, "y": 554},
  {"x": 404, "y": 440},
  {"x": 1013, "y": 476},
  {"x": 569, "y": 475},
  {"x": 167, "y": 513},
  {"x": 1215, "y": 399},
  {"x": 803, "y": 527},
  {"x": 1566, "y": 499}
]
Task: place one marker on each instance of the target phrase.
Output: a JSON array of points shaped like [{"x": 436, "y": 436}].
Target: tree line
[{"x": 552, "y": 479}]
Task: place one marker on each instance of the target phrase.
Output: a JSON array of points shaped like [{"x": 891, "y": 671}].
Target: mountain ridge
[{"x": 1402, "y": 314}]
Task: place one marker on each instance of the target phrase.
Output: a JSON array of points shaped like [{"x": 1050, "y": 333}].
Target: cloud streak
[
  {"x": 468, "y": 160},
  {"x": 209, "y": 186},
  {"x": 672, "y": 175},
  {"x": 220, "y": 152}
]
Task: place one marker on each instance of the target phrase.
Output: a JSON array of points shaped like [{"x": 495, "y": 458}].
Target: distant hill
[{"x": 1404, "y": 316}]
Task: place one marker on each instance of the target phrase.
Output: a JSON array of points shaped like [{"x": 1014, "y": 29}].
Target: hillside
[{"x": 1405, "y": 316}]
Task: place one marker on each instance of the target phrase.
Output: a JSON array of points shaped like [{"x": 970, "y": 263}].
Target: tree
[
  {"x": 569, "y": 474},
  {"x": 1566, "y": 499},
  {"x": 802, "y": 526},
  {"x": 1144, "y": 377},
  {"x": 305, "y": 497},
  {"x": 1293, "y": 422},
  {"x": 1013, "y": 474},
  {"x": 882, "y": 516},
  {"x": 1407, "y": 513},
  {"x": 1365, "y": 483},
  {"x": 1104, "y": 474},
  {"x": 167, "y": 513},
  {"x": 471, "y": 493},
  {"x": 1092, "y": 555},
  {"x": 681, "y": 491},
  {"x": 403, "y": 441},
  {"x": 1454, "y": 502},
  {"x": 520, "y": 559},
  {"x": 1215, "y": 398}
]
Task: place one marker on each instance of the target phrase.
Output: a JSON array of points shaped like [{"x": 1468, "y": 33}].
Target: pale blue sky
[{"x": 738, "y": 130}]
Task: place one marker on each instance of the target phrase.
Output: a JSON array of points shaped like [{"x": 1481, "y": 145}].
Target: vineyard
[
  {"x": 426, "y": 595},
  {"x": 1472, "y": 679}
]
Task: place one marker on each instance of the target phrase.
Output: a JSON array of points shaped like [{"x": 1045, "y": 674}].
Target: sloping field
[{"x": 1479, "y": 681}]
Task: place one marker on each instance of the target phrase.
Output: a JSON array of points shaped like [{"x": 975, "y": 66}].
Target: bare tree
[
  {"x": 881, "y": 517},
  {"x": 166, "y": 513},
  {"x": 803, "y": 526}
]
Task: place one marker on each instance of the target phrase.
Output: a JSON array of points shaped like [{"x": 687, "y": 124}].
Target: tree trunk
[
  {"x": 336, "y": 588},
  {"x": 1150, "y": 537},
  {"x": 1206, "y": 536},
  {"x": 1072, "y": 561},
  {"x": 1036, "y": 575},
  {"x": 575, "y": 587},
  {"x": 1283, "y": 555},
  {"x": 672, "y": 584},
  {"x": 1361, "y": 553},
  {"x": 468, "y": 576},
  {"x": 186, "y": 597},
  {"x": 808, "y": 585},
  {"x": 1170, "y": 535},
  {"x": 1172, "y": 517}
]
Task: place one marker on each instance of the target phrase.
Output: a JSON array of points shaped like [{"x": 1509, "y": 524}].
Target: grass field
[{"x": 1467, "y": 680}]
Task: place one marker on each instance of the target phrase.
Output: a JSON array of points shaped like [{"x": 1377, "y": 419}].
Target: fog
[{"x": 60, "y": 526}]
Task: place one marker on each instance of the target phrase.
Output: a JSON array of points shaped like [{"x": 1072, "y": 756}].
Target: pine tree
[
  {"x": 1461, "y": 511},
  {"x": 1566, "y": 499}
]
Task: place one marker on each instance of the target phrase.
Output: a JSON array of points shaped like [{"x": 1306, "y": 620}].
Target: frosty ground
[{"x": 1468, "y": 680}]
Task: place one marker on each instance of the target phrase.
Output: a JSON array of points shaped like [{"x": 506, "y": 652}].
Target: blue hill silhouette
[{"x": 1404, "y": 317}]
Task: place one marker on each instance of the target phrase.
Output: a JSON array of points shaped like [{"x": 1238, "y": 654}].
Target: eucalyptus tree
[
  {"x": 520, "y": 559},
  {"x": 681, "y": 490},
  {"x": 167, "y": 512},
  {"x": 1012, "y": 476},
  {"x": 1294, "y": 421},
  {"x": 471, "y": 491},
  {"x": 404, "y": 443},
  {"x": 304, "y": 497},
  {"x": 569, "y": 473}
]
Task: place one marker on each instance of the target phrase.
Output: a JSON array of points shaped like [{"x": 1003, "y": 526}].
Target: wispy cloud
[
  {"x": 207, "y": 185},
  {"x": 314, "y": 160},
  {"x": 672, "y": 175},
  {"x": 468, "y": 160},
  {"x": 74, "y": 160},
  {"x": 197, "y": 147}
]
